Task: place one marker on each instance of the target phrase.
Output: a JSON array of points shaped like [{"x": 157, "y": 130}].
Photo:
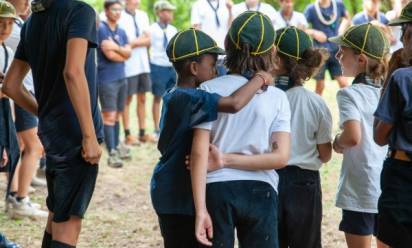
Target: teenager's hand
[
  {"x": 91, "y": 150},
  {"x": 267, "y": 76},
  {"x": 229, "y": 4},
  {"x": 336, "y": 147},
  {"x": 109, "y": 44},
  {"x": 215, "y": 159},
  {"x": 4, "y": 159},
  {"x": 204, "y": 228}
]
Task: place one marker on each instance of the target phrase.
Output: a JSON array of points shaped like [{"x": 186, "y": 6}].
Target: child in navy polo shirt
[
  {"x": 393, "y": 126},
  {"x": 194, "y": 55}
]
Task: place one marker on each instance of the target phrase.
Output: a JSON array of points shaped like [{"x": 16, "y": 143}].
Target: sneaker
[
  {"x": 31, "y": 190},
  {"x": 38, "y": 182},
  {"x": 123, "y": 151},
  {"x": 147, "y": 138},
  {"x": 131, "y": 141},
  {"x": 114, "y": 161},
  {"x": 11, "y": 202},
  {"x": 25, "y": 208},
  {"x": 5, "y": 243}
]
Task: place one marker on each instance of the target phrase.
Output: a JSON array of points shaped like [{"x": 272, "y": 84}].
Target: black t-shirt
[{"x": 43, "y": 45}]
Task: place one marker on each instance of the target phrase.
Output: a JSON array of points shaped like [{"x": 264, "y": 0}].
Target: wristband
[{"x": 262, "y": 77}]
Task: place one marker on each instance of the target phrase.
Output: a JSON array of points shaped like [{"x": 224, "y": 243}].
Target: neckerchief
[
  {"x": 215, "y": 9},
  {"x": 365, "y": 79},
  {"x": 136, "y": 27},
  {"x": 163, "y": 26},
  {"x": 284, "y": 83}
]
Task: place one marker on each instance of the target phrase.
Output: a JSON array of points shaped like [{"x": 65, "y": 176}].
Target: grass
[{"x": 121, "y": 215}]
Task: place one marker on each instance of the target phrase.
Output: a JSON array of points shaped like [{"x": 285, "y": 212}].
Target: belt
[{"x": 400, "y": 155}]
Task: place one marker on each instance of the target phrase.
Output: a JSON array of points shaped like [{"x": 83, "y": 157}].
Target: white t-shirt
[
  {"x": 158, "y": 54},
  {"x": 249, "y": 131},
  {"x": 138, "y": 62},
  {"x": 359, "y": 183},
  {"x": 12, "y": 42},
  {"x": 311, "y": 124},
  {"x": 396, "y": 32},
  {"x": 261, "y": 7},
  {"x": 204, "y": 15},
  {"x": 297, "y": 20}
]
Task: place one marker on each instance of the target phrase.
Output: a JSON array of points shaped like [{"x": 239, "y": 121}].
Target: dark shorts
[
  {"x": 332, "y": 65},
  {"x": 248, "y": 206},
  {"x": 141, "y": 83},
  {"x": 70, "y": 184},
  {"x": 24, "y": 120},
  {"x": 395, "y": 204},
  {"x": 358, "y": 223},
  {"x": 163, "y": 79},
  {"x": 113, "y": 95},
  {"x": 178, "y": 231},
  {"x": 300, "y": 208}
]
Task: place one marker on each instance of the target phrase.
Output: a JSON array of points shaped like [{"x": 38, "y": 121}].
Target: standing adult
[
  {"x": 328, "y": 18},
  {"x": 396, "y": 30},
  {"x": 256, "y": 5},
  {"x": 288, "y": 17},
  {"x": 58, "y": 43}
]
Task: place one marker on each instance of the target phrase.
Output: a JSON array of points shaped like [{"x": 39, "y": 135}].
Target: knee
[{"x": 141, "y": 98}]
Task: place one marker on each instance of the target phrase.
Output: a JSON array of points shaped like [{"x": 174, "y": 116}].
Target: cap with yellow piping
[{"x": 292, "y": 42}]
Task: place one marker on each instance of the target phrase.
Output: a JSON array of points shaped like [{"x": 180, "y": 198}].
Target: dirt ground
[{"x": 121, "y": 214}]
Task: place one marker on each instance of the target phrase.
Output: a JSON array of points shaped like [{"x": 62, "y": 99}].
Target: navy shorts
[
  {"x": 24, "y": 120},
  {"x": 395, "y": 204},
  {"x": 113, "y": 95},
  {"x": 332, "y": 65},
  {"x": 70, "y": 184},
  {"x": 249, "y": 206},
  {"x": 141, "y": 83},
  {"x": 163, "y": 79},
  {"x": 358, "y": 223}
]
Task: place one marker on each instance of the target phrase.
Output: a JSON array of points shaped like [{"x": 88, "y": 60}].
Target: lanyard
[
  {"x": 287, "y": 21},
  {"x": 112, "y": 33},
  {"x": 6, "y": 58},
  {"x": 136, "y": 27},
  {"x": 164, "y": 28},
  {"x": 215, "y": 9}
]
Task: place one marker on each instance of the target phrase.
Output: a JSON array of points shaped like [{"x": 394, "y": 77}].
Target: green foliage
[{"x": 182, "y": 14}]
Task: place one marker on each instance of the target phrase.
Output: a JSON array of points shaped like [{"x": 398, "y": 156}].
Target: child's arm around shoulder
[{"x": 238, "y": 99}]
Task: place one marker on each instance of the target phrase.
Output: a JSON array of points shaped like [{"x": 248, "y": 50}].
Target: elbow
[
  {"x": 282, "y": 161},
  {"x": 324, "y": 158},
  {"x": 6, "y": 89},
  {"x": 70, "y": 74},
  {"x": 235, "y": 107},
  {"x": 353, "y": 142},
  {"x": 380, "y": 141}
]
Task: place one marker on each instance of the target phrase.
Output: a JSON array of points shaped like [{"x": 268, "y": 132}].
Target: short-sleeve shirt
[
  {"x": 297, "y": 20},
  {"x": 395, "y": 108},
  {"x": 249, "y": 131},
  {"x": 107, "y": 70},
  {"x": 138, "y": 62},
  {"x": 158, "y": 54},
  {"x": 264, "y": 8},
  {"x": 362, "y": 18},
  {"x": 359, "y": 183},
  {"x": 329, "y": 30},
  {"x": 311, "y": 125},
  {"x": 43, "y": 45},
  {"x": 183, "y": 108},
  {"x": 203, "y": 14}
]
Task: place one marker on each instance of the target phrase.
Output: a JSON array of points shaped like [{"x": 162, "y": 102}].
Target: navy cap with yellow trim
[
  {"x": 255, "y": 29},
  {"x": 292, "y": 42},
  {"x": 365, "y": 38},
  {"x": 405, "y": 17},
  {"x": 190, "y": 43}
]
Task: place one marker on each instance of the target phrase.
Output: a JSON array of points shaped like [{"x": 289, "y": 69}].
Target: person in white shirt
[
  {"x": 311, "y": 135},
  {"x": 214, "y": 18},
  {"x": 256, "y": 5},
  {"x": 136, "y": 24},
  {"x": 398, "y": 5},
  {"x": 162, "y": 72},
  {"x": 286, "y": 16},
  {"x": 241, "y": 193}
]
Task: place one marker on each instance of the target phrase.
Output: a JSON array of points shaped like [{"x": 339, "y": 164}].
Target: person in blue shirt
[
  {"x": 327, "y": 18},
  {"x": 114, "y": 50},
  {"x": 393, "y": 126},
  {"x": 194, "y": 55},
  {"x": 58, "y": 42}
]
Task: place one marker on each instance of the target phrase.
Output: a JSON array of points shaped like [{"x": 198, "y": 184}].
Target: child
[
  {"x": 393, "y": 126},
  {"x": 362, "y": 54},
  {"x": 161, "y": 70},
  {"x": 194, "y": 55},
  {"x": 242, "y": 195},
  {"x": 311, "y": 136},
  {"x": 114, "y": 51}
]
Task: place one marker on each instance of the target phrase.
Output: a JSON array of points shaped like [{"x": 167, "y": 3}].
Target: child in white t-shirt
[{"x": 362, "y": 54}]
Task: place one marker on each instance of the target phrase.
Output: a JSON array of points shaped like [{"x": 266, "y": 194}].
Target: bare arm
[
  {"x": 325, "y": 152},
  {"x": 346, "y": 22},
  {"x": 78, "y": 91},
  {"x": 350, "y": 137},
  {"x": 114, "y": 52},
  {"x": 13, "y": 86},
  {"x": 381, "y": 132},
  {"x": 242, "y": 96},
  {"x": 141, "y": 41},
  {"x": 277, "y": 159}
]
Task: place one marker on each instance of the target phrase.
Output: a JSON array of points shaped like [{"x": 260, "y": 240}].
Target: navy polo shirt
[
  {"x": 110, "y": 71},
  {"x": 329, "y": 30},
  {"x": 183, "y": 108},
  {"x": 395, "y": 107},
  {"x": 362, "y": 18},
  {"x": 43, "y": 45}
]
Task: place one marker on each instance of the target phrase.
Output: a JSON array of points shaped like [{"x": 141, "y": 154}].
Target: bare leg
[
  {"x": 126, "y": 112},
  {"x": 141, "y": 110},
  {"x": 156, "y": 111},
  {"x": 358, "y": 241},
  {"x": 67, "y": 232},
  {"x": 342, "y": 81},
  {"x": 320, "y": 86}
]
